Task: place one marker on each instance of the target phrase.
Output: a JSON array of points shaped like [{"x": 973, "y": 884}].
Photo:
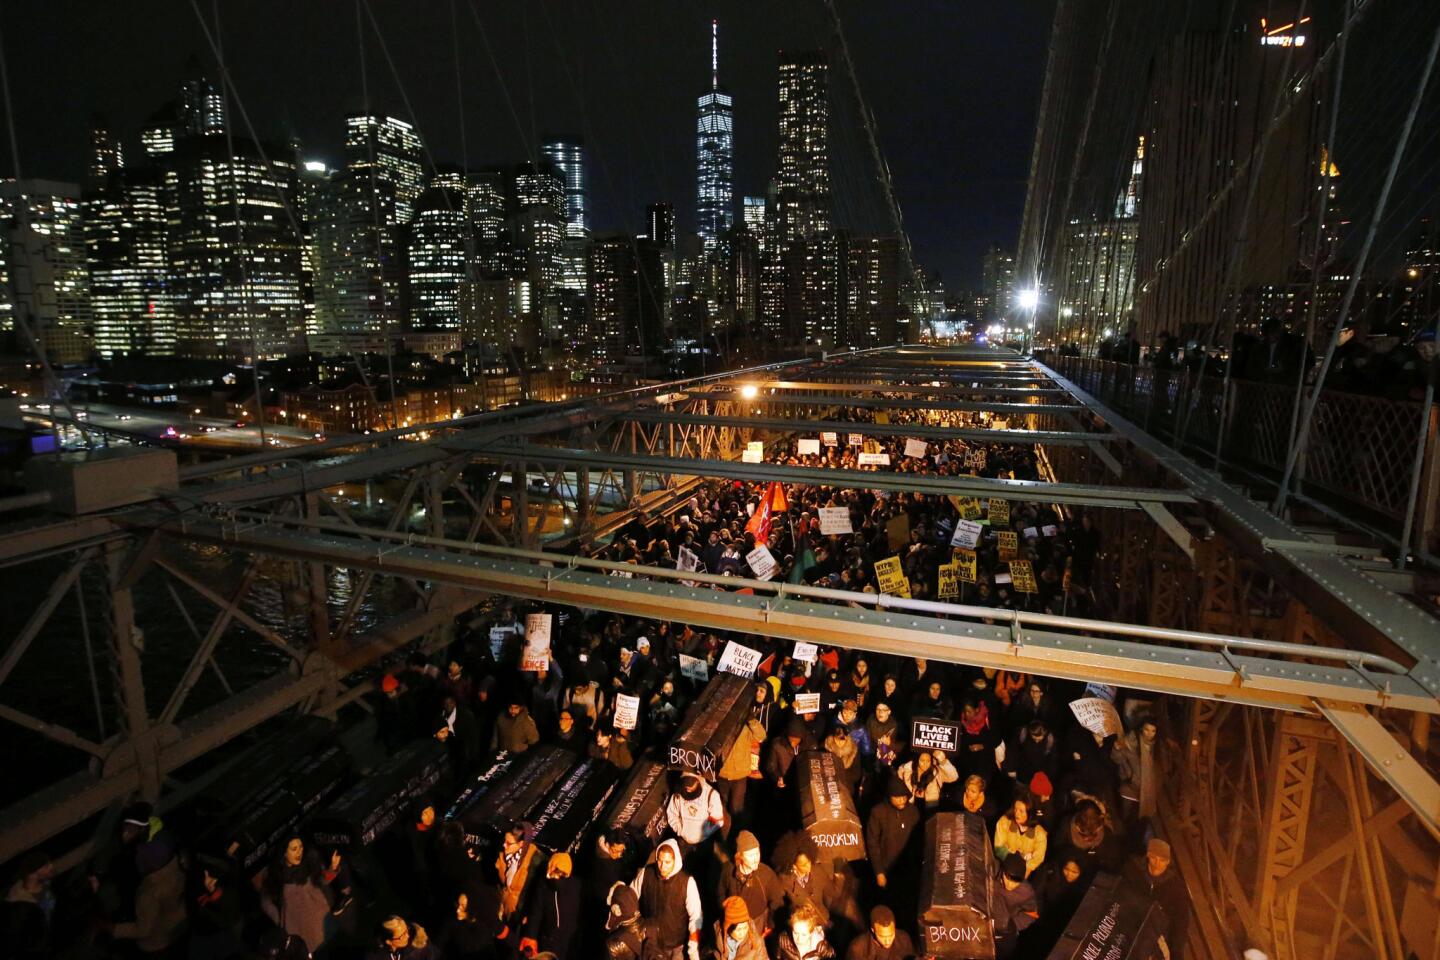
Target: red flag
[
  {"x": 759, "y": 525},
  {"x": 776, "y": 495}
]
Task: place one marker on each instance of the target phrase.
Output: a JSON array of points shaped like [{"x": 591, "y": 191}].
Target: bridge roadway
[{"x": 244, "y": 504}]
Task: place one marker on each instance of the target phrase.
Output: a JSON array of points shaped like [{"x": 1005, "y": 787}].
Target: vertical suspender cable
[{"x": 1298, "y": 446}]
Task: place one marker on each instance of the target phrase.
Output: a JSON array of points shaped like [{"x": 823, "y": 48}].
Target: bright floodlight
[
  {"x": 1029, "y": 299},
  {"x": 748, "y": 391}
]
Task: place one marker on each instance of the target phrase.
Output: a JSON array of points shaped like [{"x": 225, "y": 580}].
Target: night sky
[{"x": 954, "y": 88}]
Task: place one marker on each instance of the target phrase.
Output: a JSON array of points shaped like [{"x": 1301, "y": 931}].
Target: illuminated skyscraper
[
  {"x": 715, "y": 153},
  {"x": 437, "y": 259},
  {"x": 202, "y": 107},
  {"x": 234, "y": 253},
  {"x": 486, "y": 206},
  {"x": 357, "y": 276},
  {"x": 129, "y": 270},
  {"x": 660, "y": 225},
  {"x": 541, "y": 185},
  {"x": 393, "y": 149},
  {"x": 44, "y": 250},
  {"x": 567, "y": 155},
  {"x": 803, "y": 163},
  {"x": 106, "y": 155},
  {"x": 755, "y": 214}
]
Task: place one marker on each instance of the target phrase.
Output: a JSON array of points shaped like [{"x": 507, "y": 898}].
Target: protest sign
[
  {"x": 754, "y": 452},
  {"x": 804, "y": 652},
  {"x": 694, "y": 668},
  {"x": 967, "y": 534},
  {"x": 1030, "y": 533},
  {"x": 890, "y": 578},
  {"x": 536, "y": 656},
  {"x": 739, "y": 660},
  {"x": 856, "y": 440},
  {"x": 916, "y": 449},
  {"x": 835, "y": 520},
  {"x": 897, "y": 531},
  {"x": 627, "y": 711},
  {"x": 1050, "y": 530},
  {"x": 969, "y": 508},
  {"x": 829, "y": 439},
  {"x": 809, "y": 446},
  {"x": 965, "y": 560},
  {"x": 1009, "y": 544},
  {"x": 1102, "y": 690},
  {"x": 806, "y": 703},
  {"x": 874, "y": 459},
  {"x": 1097, "y": 715},
  {"x": 687, "y": 559},
  {"x": 762, "y": 563},
  {"x": 935, "y": 735},
  {"x": 999, "y": 512},
  {"x": 1024, "y": 576},
  {"x": 949, "y": 583}
]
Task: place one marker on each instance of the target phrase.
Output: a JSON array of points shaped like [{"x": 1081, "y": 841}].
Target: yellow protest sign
[
  {"x": 881, "y": 416},
  {"x": 969, "y": 508},
  {"x": 1022, "y": 575},
  {"x": 890, "y": 579},
  {"x": 1009, "y": 544},
  {"x": 999, "y": 512},
  {"x": 949, "y": 585},
  {"x": 965, "y": 561}
]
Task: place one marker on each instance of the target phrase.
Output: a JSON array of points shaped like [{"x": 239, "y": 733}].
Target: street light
[
  {"x": 749, "y": 391},
  {"x": 1029, "y": 299}
]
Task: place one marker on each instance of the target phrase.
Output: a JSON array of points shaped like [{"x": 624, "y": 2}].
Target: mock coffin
[
  {"x": 959, "y": 889},
  {"x": 1114, "y": 922},
  {"x": 513, "y": 787},
  {"x": 360, "y": 815},
  {"x": 827, "y": 811},
  {"x": 638, "y": 807},
  {"x": 712, "y": 725},
  {"x": 573, "y": 808}
]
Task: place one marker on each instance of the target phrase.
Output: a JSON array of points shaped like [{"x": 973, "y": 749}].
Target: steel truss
[{"x": 1242, "y": 611}]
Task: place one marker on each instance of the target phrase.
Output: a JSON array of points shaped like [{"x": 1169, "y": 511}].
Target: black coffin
[
  {"x": 573, "y": 808},
  {"x": 1113, "y": 922},
  {"x": 827, "y": 811},
  {"x": 361, "y": 814},
  {"x": 249, "y": 833},
  {"x": 638, "y": 807},
  {"x": 712, "y": 725},
  {"x": 958, "y": 889},
  {"x": 511, "y": 789}
]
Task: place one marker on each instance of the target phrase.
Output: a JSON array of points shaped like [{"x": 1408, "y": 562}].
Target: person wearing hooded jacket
[
  {"x": 753, "y": 882},
  {"x": 670, "y": 900},
  {"x": 735, "y": 772},
  {"x": 515, "y": 731},
  {"x": 694, "y": 812},
  {"x": 553, "y": 917},
  {"x": 628, "y": 935},
  {"x": 890, "y": 830}
]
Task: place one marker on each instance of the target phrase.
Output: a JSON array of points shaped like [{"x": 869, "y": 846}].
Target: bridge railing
[{"x": 1359, "y": 458}]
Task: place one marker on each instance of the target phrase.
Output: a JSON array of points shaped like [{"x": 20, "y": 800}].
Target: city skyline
[{"x": 638, "y": 124}]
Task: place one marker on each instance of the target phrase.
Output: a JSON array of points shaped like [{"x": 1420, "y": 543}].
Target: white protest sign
[
  {"x": 1050, "y": 530},
  {"x": 498, "y": 636},
  {"x": 754, "y": 452},
  {"x": 829, "y": 439},
  {"x": 809, "y": 447},
  {"x": 835, "y": 520},
  {"x": 856, "y": 440},
  {"x": 806, "y": 703},
  {"x": 688, "y": 560},
  {"x": 874, "y": 459},
  {"x": 967, "y": 534},
  {"x": 537, "y": 643},
  {"x": 916, "y": 448},
  {"x": 1030, "y": 533},
  {"x": 762, "y": 564},
  {"x": 804, "y": 652},
  {"x": 1102, "y": 690},
  {"x": 1002, "y": 578},
  {"x": 1097, "y": 715},
  {"x": 627, "y": 711},
  {"x": 1000, "y": 754},
  {"x": 739, "y": 660},
  {"x": 694, "y": 668}
]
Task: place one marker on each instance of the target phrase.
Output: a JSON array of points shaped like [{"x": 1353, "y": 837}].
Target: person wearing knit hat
[
  {"x": 752, "y": 881},
  {"x": 1020, "y": 903},
  {"x": 1156, "y": 876},
  {"x": 736, "y": 936},
  {"x": 889, "y": 831},
  {"x": 1040, "y": 786},
  {"x": 552, "y": 918}
]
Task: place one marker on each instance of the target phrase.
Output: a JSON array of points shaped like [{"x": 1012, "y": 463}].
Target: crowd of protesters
[{"x": 734, "y": 877}]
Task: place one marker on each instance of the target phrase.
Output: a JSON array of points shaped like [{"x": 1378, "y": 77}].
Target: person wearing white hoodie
[
  {"x": 695, "y": 811},
  {"x": 670, "y": 900}
]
